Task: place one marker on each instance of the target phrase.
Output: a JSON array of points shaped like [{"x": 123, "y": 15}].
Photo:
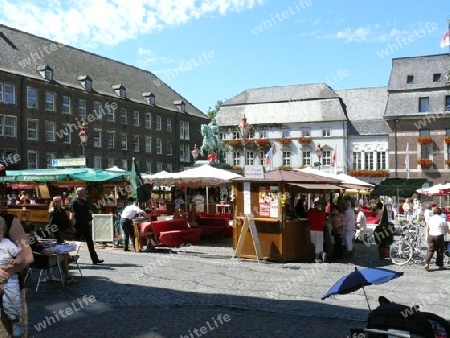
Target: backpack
[{"x": 399, "y": 317}]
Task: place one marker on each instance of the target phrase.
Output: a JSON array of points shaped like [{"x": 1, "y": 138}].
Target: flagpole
[{"x": 448, "y": 30}]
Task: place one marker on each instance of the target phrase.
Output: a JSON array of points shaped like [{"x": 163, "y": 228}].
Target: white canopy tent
[
  {"x": 348, "y": 182},
  {"x": 203, "y": 176}
]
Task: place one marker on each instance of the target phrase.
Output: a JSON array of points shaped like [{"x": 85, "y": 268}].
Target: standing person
[
  {"x": 380, "y": 208},
  {"x": 316, "y": 222},
  {"x": 58, "y": 217},
  {"x": 407, "y": 209},
  {"x": 126, "y": 221},
  {"x": 10, "y": 254},
  {"x": 417, "y": 208},
  {"x": 349, "y": 226},
  {"x": 361, "y": 222},
  {"x": 300, "y": 207},
  {"x": 437, "y": 227},
  {"x": 81, "y": 216},
  {"x": 427, "y": 215},
  {"x": 337, "y": 222}
]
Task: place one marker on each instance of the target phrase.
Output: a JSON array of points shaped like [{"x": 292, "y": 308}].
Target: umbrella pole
[
  {"x": 207, "y": 200},
  {"x": 367, "y": 300}
]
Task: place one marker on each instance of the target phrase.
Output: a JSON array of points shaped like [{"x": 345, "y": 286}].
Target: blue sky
[{"x": 209, "y": 50}]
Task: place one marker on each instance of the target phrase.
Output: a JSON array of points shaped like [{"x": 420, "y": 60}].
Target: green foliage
[{"x": 212, "y": 112}]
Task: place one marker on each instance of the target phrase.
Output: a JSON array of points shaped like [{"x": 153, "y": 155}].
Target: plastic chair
[
  {"x": 42, "y": 263},
  {"x": 74, "y": 256}
]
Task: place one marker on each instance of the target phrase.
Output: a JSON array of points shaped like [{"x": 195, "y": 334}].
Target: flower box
[
  {"x": 262, "y": 142},
  {"x": 304, "y": 140},
  {"x": 424, "y": 140},
  {"x": 447, "y": 162},
  {"x": 447, "y": 139},
  {"x": 284, "y": 140},
  {"x": 369, "y": 173},
  {"x": 234, "y": 143},
  {"x": 425, "y": 162}
]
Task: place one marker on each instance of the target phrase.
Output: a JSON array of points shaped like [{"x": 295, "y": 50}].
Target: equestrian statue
[{"x": 211, "y": 138}]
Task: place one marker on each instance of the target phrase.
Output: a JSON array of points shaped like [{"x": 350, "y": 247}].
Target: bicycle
[
  {"x": 420, "y": 222},
  {"x": 411, "y": 247}
]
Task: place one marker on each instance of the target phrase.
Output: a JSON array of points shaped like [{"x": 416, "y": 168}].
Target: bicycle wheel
[
  {"x": 400, "y": 252},
  {"x": 420, "y": 248}
]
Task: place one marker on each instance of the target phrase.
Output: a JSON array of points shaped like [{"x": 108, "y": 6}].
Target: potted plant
[
  {"x": 424, "y": 140},
  {"x": 384, "y": 235},
  {"x": 425, "y": 162}
]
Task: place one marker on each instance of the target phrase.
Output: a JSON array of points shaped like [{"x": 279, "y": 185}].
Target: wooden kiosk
[{"x": 281, "y": 238}]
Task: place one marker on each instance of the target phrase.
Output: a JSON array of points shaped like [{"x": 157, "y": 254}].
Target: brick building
[{"x": 47, "y": 90}]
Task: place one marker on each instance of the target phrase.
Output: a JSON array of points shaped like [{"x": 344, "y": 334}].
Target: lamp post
[
  {"x": 244, "y": 130},
  {"x": 195, "y": 152},
  {"x": 83, "y": 140},
  {"x": 319, "y": 153}
]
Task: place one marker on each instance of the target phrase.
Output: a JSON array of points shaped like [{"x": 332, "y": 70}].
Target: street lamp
[
  {"x": 244, "y": 130},
  {"x": 83, "y": 139},
  {"x": 195, "y": 152},
  {"x": 319, "y": 153}
]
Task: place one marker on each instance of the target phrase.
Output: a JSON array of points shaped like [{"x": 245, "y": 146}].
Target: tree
[{"x": 213, "y": 112}]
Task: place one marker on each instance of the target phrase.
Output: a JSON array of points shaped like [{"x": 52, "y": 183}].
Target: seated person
[
  {"x": 30, "y": 231},
  {"x": 10, "y": 254}
]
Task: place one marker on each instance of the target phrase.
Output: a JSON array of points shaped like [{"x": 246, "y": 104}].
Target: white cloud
[
  {"x": 367, "y": 33},
  {"x": 85, "y": 22}
]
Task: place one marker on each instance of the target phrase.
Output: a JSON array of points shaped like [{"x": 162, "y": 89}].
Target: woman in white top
[{"x": 437, "y": 227}]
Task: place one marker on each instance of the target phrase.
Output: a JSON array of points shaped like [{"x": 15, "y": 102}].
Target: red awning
[{"x": 20, "y": 186}]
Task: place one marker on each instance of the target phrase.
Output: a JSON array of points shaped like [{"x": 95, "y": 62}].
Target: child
[{"x": 10, "y": 254}]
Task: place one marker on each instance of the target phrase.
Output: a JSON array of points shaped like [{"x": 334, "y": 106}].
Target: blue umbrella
[{"x": 360, "y": 278}]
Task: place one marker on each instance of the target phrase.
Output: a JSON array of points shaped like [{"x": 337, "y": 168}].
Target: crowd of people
[{"x": 337, "y": 225}]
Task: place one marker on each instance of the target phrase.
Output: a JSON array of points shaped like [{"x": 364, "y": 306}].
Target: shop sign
[
  {"x": 254, "y": 171},
  {"x": 69, "y": 162}
]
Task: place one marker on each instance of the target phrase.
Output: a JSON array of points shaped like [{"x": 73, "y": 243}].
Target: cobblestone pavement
[{"x": 200, "y": 290}]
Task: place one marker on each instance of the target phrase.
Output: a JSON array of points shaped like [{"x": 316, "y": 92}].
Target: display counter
[
  {"x": 279, "y": 244},
  {"x": 37, "y": 214}
]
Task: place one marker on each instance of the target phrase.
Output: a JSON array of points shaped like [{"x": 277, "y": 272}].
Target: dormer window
[
  {"x": 149, "y": 98},
  {"x": 46, "y": 72},
  {"x": 120, "y": 91},
  {"x": 180, "y": 105},
  {"x": 85, "y": 81}
]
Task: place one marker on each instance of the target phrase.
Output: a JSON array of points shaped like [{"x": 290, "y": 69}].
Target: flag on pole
[
  {"x": 407, "y": 159},
  {"x": 334, "y": 160},
  {"x": 268, "y": 158},
  {"x": 445, "y": 41}
]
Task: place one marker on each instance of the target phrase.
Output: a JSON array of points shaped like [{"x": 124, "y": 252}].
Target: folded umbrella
[{"x": 360, "y": 278}]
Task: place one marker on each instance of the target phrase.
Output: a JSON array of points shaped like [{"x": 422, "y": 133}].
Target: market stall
[
  {"x": 282, "y": 238},
  {"x": 196, "y": 179},
  {"x": 105, "y": 188}
]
